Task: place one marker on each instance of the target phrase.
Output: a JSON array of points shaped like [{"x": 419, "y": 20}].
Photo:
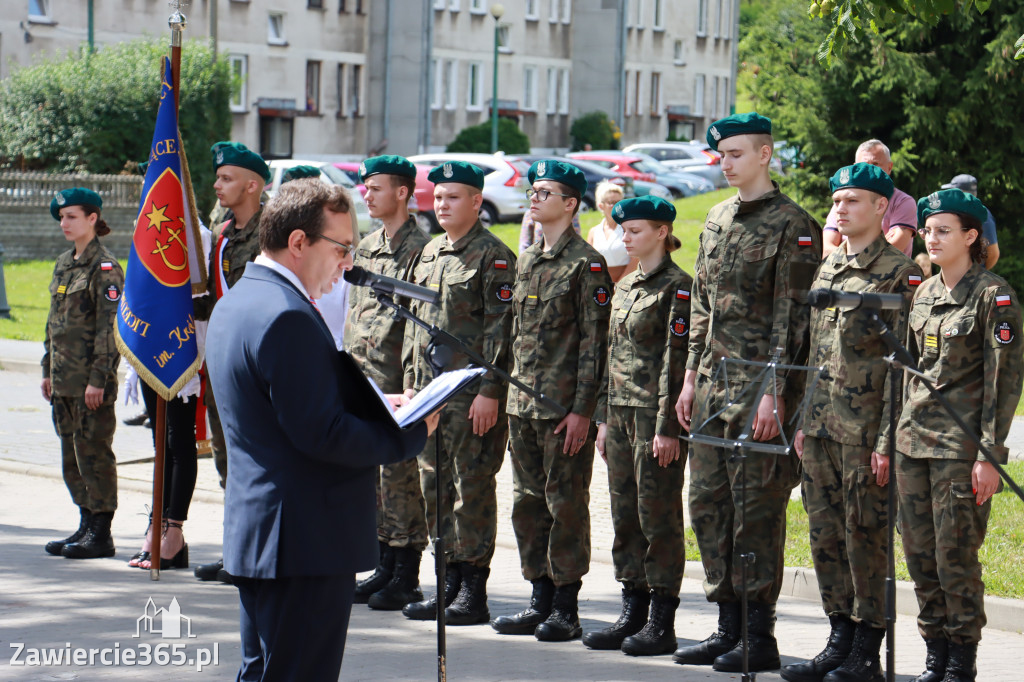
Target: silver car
[
  {"x": 330, "y": 175},
  {"x": 505, "y": 184},
  {"x": 691, "y": 157}
]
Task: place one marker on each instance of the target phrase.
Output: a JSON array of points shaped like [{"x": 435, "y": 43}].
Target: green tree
[
  {"x": 95, "y": 112},
  {"x": 596, "y": 129},
  {"x": 511, "y": 139}
]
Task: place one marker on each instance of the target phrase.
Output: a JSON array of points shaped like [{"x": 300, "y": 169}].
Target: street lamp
[{"x": 497, "y": 11}]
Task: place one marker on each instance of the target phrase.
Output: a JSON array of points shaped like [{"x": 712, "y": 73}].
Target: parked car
[
  {"x": 643, "y": 188},
  {"x": 691, "y": 157},
  {"x": 592, "y": 172},
  {"x": 617, "y": 163},
  {"x": 505, "y": 183},
  {"x": 330, "y": 175},
  {"x": 351, "y": 169},
  {"x": 681, "y": 184}
]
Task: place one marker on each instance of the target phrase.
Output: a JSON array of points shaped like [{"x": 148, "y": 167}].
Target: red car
[{"x": 623, "y": 164}]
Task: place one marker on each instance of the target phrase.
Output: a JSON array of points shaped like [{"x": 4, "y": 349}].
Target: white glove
[
  {"x": 131, "y": 386},
  {"x": 190, "y": 389}
]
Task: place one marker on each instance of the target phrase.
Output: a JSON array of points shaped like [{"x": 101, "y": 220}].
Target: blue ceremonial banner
[{"x": 155, "y": 329}]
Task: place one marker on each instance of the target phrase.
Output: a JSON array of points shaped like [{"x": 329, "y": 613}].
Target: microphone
[
  {"x": 848, "y": 300},
  {"x": 391, "y": 286}
]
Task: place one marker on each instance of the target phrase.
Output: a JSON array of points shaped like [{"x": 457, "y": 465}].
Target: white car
[
  {"x": 505, "y": 183},
  {"x": 330, "y": 175}
]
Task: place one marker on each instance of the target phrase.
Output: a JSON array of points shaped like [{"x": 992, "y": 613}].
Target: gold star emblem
[{"x": 157, "y": 218}]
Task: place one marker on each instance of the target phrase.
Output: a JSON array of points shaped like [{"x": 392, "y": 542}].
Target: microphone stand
[{"x": 439, "y": 354}]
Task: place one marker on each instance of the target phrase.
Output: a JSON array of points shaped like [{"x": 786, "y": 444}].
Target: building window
[
  {"x": 239, "y": 66},
  {"x": 503, "y": 39},
  {"x": 39, "y": 11},
  {"x": 678, "y": 53},
  {"x": 638, "y": 92},
  {"x": 718, "y": 19},
  {"x": 341, "y": 6},
  {"x": 475, "y": 86},
  {"x": 532, "y": 12},
  {"x": 553, "y": 12},
  {"x": 276, "y": 137},
  {"x": 313, "y": 86},
  {"x": 439, "y": 4},
  {"x": 453, "y": 5},
  {"x": 655, "y": 94},
  {"x": 450, "y": 84},
  {"x": 359, "y": 6},
  {"x": 566, "y": 11},
  {"x": 477, "y": 7},
  {"x": 659, "y": 15},
  {"x": 551, "y": 105},
  {"x": 638, "y": 17},
  {"x": 355, "y": 91},
  {"x": 702, "y": 18},
  {"x": 530, "y": 88},
  {"x": 628, "y": 110},
  {"x": 563, "y": 93},
  {"x": 698, "y": 95},
  {"x": 726, "y": 97},
  {"x": 435, "y": 80},
  {"x": 275, "y": 29},
  {"x": 716, "y": 103},
  {"x": 314, "y": 4}
]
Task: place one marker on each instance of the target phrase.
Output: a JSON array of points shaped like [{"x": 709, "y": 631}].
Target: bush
[
  {"x": 595, "y": 129},
  {"x": 95, "y": 112},
  {"x": 511, "y": 139}
]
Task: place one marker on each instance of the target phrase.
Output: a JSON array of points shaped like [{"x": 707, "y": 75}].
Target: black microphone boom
[
  {"x": 848, "y": 300},
  {"x": 391, "y": 286}
]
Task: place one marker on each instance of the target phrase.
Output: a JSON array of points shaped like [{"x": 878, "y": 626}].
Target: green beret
[
  {"x": 299, "y": 172},
  {"x": 559, "y": 171},
  {"x": 457, "y": 171},
  {"x": 389, "y": 164},
  {"x": 76, "y": 196},
  {"x": 644, "y": 208},
  {"x": 738, "y": 124},
  {"x": 863, "y": 176},
  {"x": 237, "y": 154},
  {"x": 951, "y": 201}
]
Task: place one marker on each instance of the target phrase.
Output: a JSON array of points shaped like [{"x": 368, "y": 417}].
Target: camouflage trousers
[
  {"x": 942, "y": 528},
  {"x": 90, "y": 469},
  {"x": 716, "y": 510},
  {"x": 847, "y": 513},
  {"x": 646, "y": 502},
  {"x": 401, "y": 511},
  {"x": 470, "y": 463},
  {"x": 551, "y": 501},
  {"x": 217, "y": 442}
]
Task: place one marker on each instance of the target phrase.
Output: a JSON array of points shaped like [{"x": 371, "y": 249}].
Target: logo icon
[
  {"x": 934, "y": 201},
  {"x": 505, "y": 292},
  {"x": 362, "y": 169},
  {"x": 447, "y": 170},
  {"x": 542, "y": 169},
  {"x": 679, "y": 326},
  {"x": 715, "y": 134},
  {"x": 164, "y": 622},
  {"x": 601, "y": 296},
  {"x": 160, "y": 239},
  {"x": 220, "y": 158},
  {"x": 844, "y": 176},
  {"x": 619, "y": 213}
]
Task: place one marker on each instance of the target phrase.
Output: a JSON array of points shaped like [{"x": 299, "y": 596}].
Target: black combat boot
[
  {"x": 470, "y": 605},
  {"x": 762, "y": 648},
  {"x": 658, "y": 636},
  {"x": 935, "y": 660},
  {"x": 635, "y": 604},
  {"x": 54, "y": 547},
  {"x": 380, "y": 577},
  {"x": 404, "y": 586},
  {"x": 961, "y": 666},
  {"x": 564, "y": 622},
  {"x": 96, "y": 543},
  {"x": 720, "y": 641},
  {"x": 427, "y": 609},
  {"x": 832, "y": 656},
  {"x": 525, "y": 622},
  {"x": 863, "y": 664}
]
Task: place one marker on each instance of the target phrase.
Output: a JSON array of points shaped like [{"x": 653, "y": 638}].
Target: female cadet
[
  {"x": 80, "y": 370},
  {"x": 647, "y": 349},
  {"x": 965, "y": 327}
]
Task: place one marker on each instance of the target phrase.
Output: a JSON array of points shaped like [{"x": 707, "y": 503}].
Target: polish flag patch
[
  {"x": 1003, "y": 300},
  {"x": 683, "y": 294},
  {"x": 914, "y": 280},
  {"x": 804, "y": 241},
  {"x": 106, "y": 266},
  {"x": 501, "y": 265},
  {"x": 595, "y": 267}
]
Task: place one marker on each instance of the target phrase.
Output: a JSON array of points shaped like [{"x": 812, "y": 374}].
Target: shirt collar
[
  {"x": 392, "y": 244},
  {"x": 641, "y": 276},
  {"x": 865, "y": 258},
  {"x": 960, "y": 292},
  {"x": 283, "y": 271},
  {"x": 560, "y": 245},
  {"x": 464, "y": 240}
]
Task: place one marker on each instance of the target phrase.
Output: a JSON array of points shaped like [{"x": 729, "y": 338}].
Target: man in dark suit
[{"x": 299, "y": 518}]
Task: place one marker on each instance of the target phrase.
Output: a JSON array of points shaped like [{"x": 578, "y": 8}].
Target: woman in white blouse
[{"x": 606, "y": 236}]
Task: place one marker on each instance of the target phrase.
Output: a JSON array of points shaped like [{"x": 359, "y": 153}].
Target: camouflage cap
[
  {"x": 75, "y": 196},
  {"x": 738, "y": 124},
  {"x": 389, "y": 164},
  {"x": 951, "y": 201},
  {"x": 862, "y": 176},
  {"x": 457, "y": 171},
  {"x": 644, "y": 208},
  {"x": 300, "y": 172},
  {"x": 237, "y": 154},
  {"x": 558, "y": 171}
]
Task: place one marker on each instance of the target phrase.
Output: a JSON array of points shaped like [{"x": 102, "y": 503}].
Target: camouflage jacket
[
  {"x": 241, "y": 247},
  {"x": 474, "y": 276},
  {"x": 373, "y": 337},
  {"x": 850, "y": 403},
  {"x": 560, "y": 332},
  {"x": 647, "y": 344},
  {"x": 755, "y": 265},
  {"x": 968, "y": 342},
  {"x": 80, "y": 347}
]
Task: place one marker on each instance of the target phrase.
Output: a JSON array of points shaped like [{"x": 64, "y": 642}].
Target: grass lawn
[{"x": 29, "y": 297}]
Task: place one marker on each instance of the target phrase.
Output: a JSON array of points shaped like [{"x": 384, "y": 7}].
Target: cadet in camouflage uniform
[
  {"x": 638, "y": 433},
  {"x": 756, "y": 261},
  {"x": 80, "y": 370},
  {"x": 965, "y": 332},
  {"x": 473, "y": 271},
  {"x": 374, "y": 337},
  {"x": 562, "y": 301},
  {"x": 241, "y": 176},
  {"x": 844, "y": 439}
]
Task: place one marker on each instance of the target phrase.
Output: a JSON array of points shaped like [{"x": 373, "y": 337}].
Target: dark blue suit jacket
[{"x": 300, "y": 497}]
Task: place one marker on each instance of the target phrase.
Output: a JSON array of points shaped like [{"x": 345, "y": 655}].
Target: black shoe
[
  {"x": 762, "y": 647},
  {"x": 96, "y": 543},
  {"x": 658, "y": 636},
  {"x": 935, "y": 660},
  {"x": 380, "y": 577},
  {"x": 564, "y": 622},
  {"x": 427, "y": 610},
  {"x": 404, "y": 586},
  {"x": 720, "y": 641},
  {"x": 863, "y": 664},
  {"x": 137, "y": 420},
  {"x": 840, "y": 639},
  {"x": 209, "y": 572},
  {"x": 55, "y": 547},
  {"x": 525, "y": 622},
  {"x": 470, "y": 605},
  {"x": 635, "y": 604},
  {"x": 961, "y": 665}
]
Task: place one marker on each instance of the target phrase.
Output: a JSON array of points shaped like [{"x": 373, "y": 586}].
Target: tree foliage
[
  {"x": 511, "y": 139},
  {"x": 96, "y": 112},
  {"x": 596, "y": 129}
]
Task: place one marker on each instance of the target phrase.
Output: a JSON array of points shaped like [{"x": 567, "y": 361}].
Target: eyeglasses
[
  {"x": 941, "y": 232},
  {"x": 543, "y": 194},
  {"x": 345, "y": 248}
]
